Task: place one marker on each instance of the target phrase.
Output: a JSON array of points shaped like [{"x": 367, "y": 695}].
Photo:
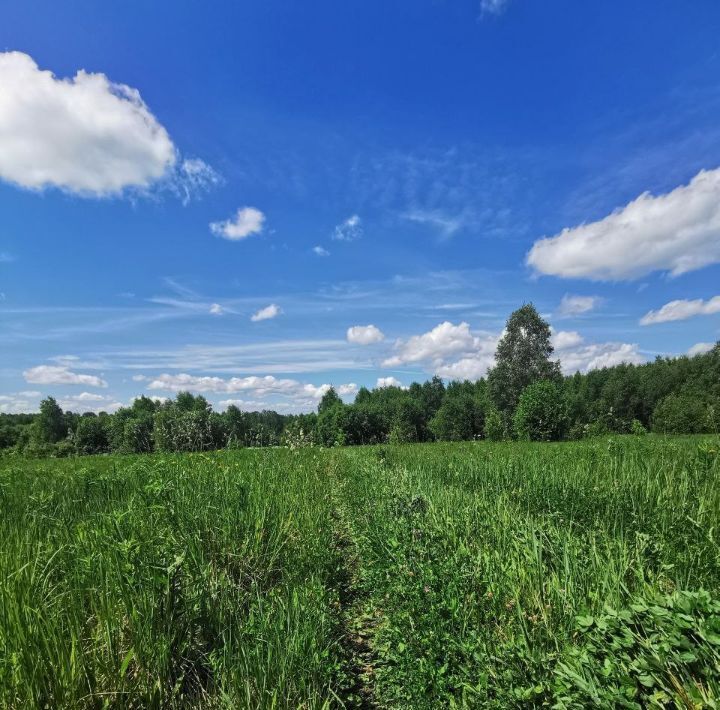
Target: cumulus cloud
[
  {"x": 84, "y": 134},
  {"x": 246, "y": 222},
  {"x": 598, "y": 355},
  {"x": 216, "y": 309},
  {"x": 575, "y": 355},
  {"x": 563, "y": 339},
  {"x": 19, "y": 402},
  {"x": 320, "y": 251},
  {"x": 676, "y": 232},
  {"x": 349, "y": 230},
  {"x": 700, "y": 349},
  {"x": 89, "y": 402},
  {"x": 365, "y": 334},
  {"x": 472, "y": 367},
  {"x": 681, "y": 310},
  {"x": 448, "y": 350},
  {"x": 388, "y": 382},
  {"x": 443, "y": 340},
  {"x": 575, "y": 305},
  {"x": 297, "y": 395},
  {"x": 60, "y": 375},
  {"x": 271, "y": 311},
  {"x": 345, "y": 390}
]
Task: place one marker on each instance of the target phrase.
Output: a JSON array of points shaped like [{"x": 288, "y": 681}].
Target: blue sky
[{"x": 223, "y": 197}]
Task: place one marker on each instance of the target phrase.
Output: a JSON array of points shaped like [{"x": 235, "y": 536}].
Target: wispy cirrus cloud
[
  {"x": 493, "y": 7},
  {"x": 445, "y": 224},
  {"x": 348, "y": 230}
]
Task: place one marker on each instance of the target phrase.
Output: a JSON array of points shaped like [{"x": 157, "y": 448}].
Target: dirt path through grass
[{"x": 356, "y": 625}]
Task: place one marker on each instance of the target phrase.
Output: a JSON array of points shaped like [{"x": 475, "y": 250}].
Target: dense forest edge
[{"x": 524, "y": 396}]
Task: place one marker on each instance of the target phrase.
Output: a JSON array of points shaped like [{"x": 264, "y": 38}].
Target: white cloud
[
  {"x": 365, "y": 334},
  {"x": 295, "y": 395},
  {"x": 471, "y": 367},
  {"x": 564, "y": 339},
  {"x": 194, "y": 177},
  {"x": 346, "y": 390},
  {"x": 443, "y": 340},
  {"x": 271, "y": 311},
  {"x": 89, "y": 402},
  {"x": 139, "y": 378},
  {"x": 676, "y": 232},
  {"x": 700, "y": 349},
  {"x": 216, "y": 309},
  {"x": 247, "y": 221},
  {"x": 6, "y": 258},
  {"x": 388, "y": 382},
  {"x": 682, "y": 309},
  {"x": 195, "y": 383},
  {"x": 58, "y": 375},
  {"x": 493, "y": 7},
  {"x": 87, "y": 397},
  {"x": 446, "y": 224},
  {"x": 321, "y": 251},
  {"x": 575, "y": 305},
  {"x": 349, "y": 230},
  {"x": 451, "y": 351},
  {"x": 599, "y": 355},
  {"x": 86, "y": 134},
  {"x": 19, "y": 402}
]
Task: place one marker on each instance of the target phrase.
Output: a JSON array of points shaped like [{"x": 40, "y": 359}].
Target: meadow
[{"x": 568, "y": 575}]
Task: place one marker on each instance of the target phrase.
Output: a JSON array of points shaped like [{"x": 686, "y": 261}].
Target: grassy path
[
  {"x": 459, "y": 575},
  {"x": 356, "y": 627}
]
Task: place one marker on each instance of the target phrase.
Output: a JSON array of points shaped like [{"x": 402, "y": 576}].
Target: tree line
[{"x": 524, "y": 396}]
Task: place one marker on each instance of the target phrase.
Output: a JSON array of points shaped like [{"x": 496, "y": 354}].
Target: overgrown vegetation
[
  {"x": 524, "y": 397},
  {"x": 515, "y": 574}
]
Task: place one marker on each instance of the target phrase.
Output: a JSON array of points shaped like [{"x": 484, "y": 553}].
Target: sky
[{"x": 255, "y": 201}]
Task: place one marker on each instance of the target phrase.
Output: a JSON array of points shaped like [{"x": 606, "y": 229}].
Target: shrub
[
  {"x": 637, "y": 428},
  {"x": 541, "y": 414},
  {"x": 681, "y": 414},
  {"x": 655, "y": 653},
  {"x": 494, "y": 426}
]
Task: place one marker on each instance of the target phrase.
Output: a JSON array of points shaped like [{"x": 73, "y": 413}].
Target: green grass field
[{"x": 461, "y": 575}]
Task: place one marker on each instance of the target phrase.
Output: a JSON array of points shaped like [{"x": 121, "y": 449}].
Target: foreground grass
[
  {"x": 468, "y": 575},
  {"x": 157, "y": 581}
]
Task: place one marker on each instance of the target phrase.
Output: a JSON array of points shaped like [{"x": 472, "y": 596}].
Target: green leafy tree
[
  {"x": 682, "y": 414},
  {"x": 461, "y": 416},
  {"x": 329, "y": 400},
  {"x": 49, "y": 426},
  {"x": 522, "y": 357},
  {"x": 541, "y": 414},
  {"x": 494, "y": 425},
  {"x": 91, "y": 435}
]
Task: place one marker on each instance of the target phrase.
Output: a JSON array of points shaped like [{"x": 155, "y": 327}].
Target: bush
[
  {"x": 494, "y": 426},
  {"x": 541, "y": 414},
  {"x": 681, "y": 414},
  {"x": 655, "y": 653},
  {"x": 637, "y": 428}
]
